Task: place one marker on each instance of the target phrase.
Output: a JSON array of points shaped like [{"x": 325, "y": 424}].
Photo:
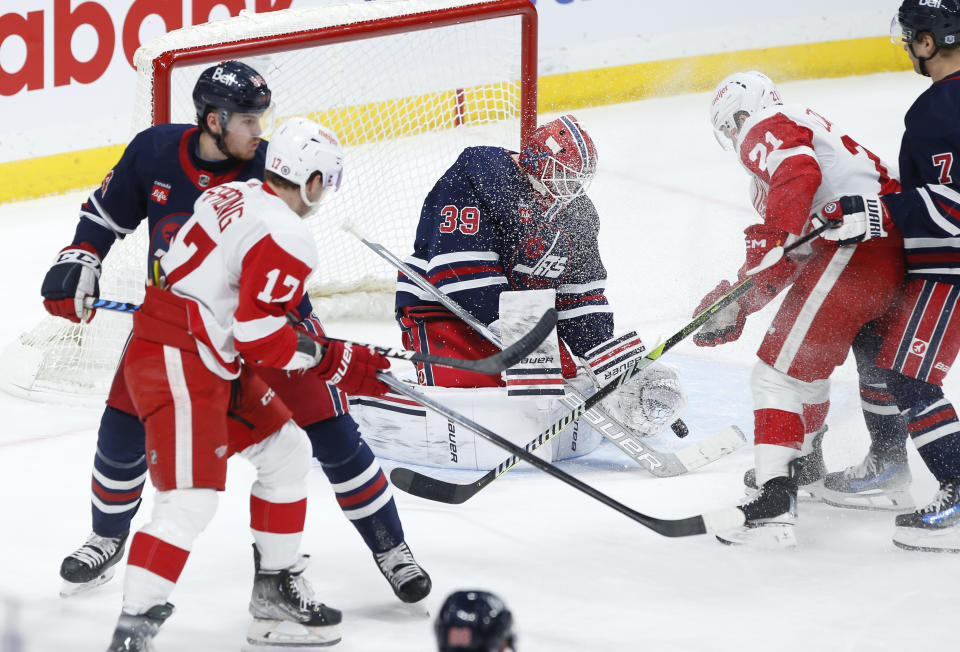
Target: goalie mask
[
  {"x": 941, "y": 18},
  {"x": 475, "y": 621},
  {"x": 301, "y": 147},
  {"x": 739, "y": 95},
  {"x": 560, "y": 160}
]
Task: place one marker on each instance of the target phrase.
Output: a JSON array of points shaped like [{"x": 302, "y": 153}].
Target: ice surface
[{"x": 577, "y": 575}]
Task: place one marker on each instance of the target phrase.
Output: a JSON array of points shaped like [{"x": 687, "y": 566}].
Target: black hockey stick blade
[{"x": 423, "y": 486}]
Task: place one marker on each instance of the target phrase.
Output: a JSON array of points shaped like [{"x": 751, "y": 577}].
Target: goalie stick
[
  {"x": 658, "y": 463},
  {"x": 716, "y": 521},
  {"x": 430, "y": 488},
  {"x": 493, "y": 364}
]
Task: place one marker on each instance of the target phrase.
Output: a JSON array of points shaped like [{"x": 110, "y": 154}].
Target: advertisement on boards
[{"x": 67, "y": 82}]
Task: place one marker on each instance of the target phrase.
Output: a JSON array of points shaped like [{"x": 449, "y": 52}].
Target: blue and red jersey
[
  {"x": 482, "y": 232},
  {"x": 927, "y": 212}
]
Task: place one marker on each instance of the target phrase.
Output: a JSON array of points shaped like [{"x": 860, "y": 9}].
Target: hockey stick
[
  {"x": 716, "y": 521},
  {"x": 658, "y": 463},
  {"x": 493, "y": 364},
  {"x": 430, "y": 488}
]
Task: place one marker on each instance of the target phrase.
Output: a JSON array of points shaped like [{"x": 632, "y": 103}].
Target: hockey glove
[
  {"x": 856, "y": 218},
  {"x": 726, "y": 325},
  {"x": 353, "y": 369},
  {"x": 75, "y": 275}
]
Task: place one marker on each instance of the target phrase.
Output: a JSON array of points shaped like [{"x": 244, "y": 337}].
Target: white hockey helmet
[
  {"x": 741, "y": 92},
  {"x": 300, "y": 147}
]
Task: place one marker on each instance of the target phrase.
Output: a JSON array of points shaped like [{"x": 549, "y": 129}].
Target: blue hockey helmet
[
  {"x": 230, "y": 87},
  {"x": 941, "y": 18},
  {"x": 475, "y": 621}
]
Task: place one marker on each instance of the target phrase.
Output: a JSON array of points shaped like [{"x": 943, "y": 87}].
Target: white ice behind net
[{"x": 404, "y": 106}]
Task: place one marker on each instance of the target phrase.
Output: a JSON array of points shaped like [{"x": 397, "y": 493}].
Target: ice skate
[
  {"x": 285, "y": 614},
  {"x": 809, "y": 468},
  {"x": 934, "y": 528},
  {"x": 771, "y": 513},
  {"x": 880, "y": 482},
  {"x": 409, "y": 581},
  {"x": 134, "y": 633},
  {"x": 92, "y": 564}
]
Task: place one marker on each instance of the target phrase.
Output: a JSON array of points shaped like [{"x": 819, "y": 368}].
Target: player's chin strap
[{"x": 923, "y": 60}]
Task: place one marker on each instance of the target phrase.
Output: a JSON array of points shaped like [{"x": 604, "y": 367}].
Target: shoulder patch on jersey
[
  {"x": 160, "y": 192},
  {"x": 106, "y": 182}
]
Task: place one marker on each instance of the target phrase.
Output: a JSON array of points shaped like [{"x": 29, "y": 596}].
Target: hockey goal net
[{"x": 406, "y": 84}]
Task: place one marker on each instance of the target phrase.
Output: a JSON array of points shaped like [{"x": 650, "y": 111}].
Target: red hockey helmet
[{"x": 560, "y": 159}]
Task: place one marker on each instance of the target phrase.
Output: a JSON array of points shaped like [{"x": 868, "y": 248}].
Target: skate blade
[
  {"x": 942, "y": 540},
  {"x": 877, "y": 501},
  {"x": 265, "y": 634},
  {"x": 70, "y": 589},
  {"x": 766, "y": 536}
]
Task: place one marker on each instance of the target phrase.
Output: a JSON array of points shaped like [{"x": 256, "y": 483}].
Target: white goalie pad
[
  {"x": 400, "y": 429},
  {"x": 650, "y": 401}
]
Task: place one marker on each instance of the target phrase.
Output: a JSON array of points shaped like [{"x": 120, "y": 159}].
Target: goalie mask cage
[{"x": 406, "y": 85}]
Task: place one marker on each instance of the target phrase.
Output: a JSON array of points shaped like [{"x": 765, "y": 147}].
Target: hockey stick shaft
[
  {"x": 493, "y": 364},
  {"x": 720, "y": 520}
]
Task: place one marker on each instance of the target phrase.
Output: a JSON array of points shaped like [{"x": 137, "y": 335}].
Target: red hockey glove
[
  {"x": 855, "y": 218},
  {"x": 726, "y": 325},
  {"x": 74, "y": 277},
  {"x": 758, "y": 240},
  {"x": 353, "y": 369}
]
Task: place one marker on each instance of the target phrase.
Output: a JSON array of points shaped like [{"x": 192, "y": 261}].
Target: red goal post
[{"x": 406, "y": 84}]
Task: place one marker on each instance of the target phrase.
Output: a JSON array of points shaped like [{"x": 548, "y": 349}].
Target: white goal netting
[{"x": 406, "y": 84}]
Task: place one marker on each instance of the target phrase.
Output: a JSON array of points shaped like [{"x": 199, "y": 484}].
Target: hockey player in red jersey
[
  {"x": 499, "y": 232},
  {"x": 159, "y": 177},
  {"x": 798, "y": 160},
  {"x": 922, "y": 334},
  {"x": 232, "y": 274}
]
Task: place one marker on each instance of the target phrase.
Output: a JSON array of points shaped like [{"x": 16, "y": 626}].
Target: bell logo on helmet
[
  {"x": 229, "y": 79},
  {"x": 933, "y": 4}
]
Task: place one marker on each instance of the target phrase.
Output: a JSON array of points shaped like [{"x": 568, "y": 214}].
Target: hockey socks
[
  {"x": 119, "y": 472},
  {"x": 362, "y": 490}
]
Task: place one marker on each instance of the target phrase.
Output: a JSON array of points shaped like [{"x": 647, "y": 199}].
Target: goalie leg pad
[{"x": 397, "y": 428}]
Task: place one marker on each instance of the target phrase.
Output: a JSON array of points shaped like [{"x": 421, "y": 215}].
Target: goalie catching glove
[
  {"x": 351, "y": 368},
  {"x": 75, "y": 275},
  {"x": 854, "y": 218},
  {"x": 651, "y": 399}
]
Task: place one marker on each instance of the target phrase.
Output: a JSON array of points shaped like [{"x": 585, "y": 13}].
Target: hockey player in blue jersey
[
  {"x": 162, "y": 172},
  {"x": 496, "y": 225},
  {"x": 922, "y": 335}
]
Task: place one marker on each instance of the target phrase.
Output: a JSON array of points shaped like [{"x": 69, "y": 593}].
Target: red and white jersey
[
  {"x": 241, "y": 261},
  {"x": 800, "y": 161}
]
